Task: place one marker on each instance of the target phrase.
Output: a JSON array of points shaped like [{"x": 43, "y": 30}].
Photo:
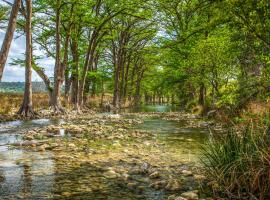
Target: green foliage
[
  {"x": 222, "y": 45},
  {"x": 214, "y": 53},
  {"x": 229, "y": 95},
  {"x": 3, "y": 13},
  {"x": 239, "y": 164}
]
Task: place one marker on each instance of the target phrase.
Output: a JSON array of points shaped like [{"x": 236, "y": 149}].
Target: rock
[
  {"x": 199, "y": 177},
  {"x": 154, "y": 175},
  {"x": 131, "y": 185},
  {"x": 125, "y": 176},
  {"x": 205, "y": 124},
  {"x": 144, "y": 168},
  {"x": 172, "y": 185},
  {"x": 172, "y": 197},
  {"x": 121, "y": 130},
  {"x": 71, "y": 145},
  {"x": 187, "y": 173},
  {"x": 43, "y": 147},
  {"x": 180, "y": 198},
  {"x": 191, "y": 195},
  {"x": 147, "y": 143},
  {"x": 116, "y": 144},
  {"x": 126, "y": 151},
  {"x": 54, "y": 145},
  {"x": 140, "y": 188},
  {"x": 49, "y": 135},
  {"x": 211, "y": 113},
  {"x": 2, "y": 178},
  {"x": 66, "y": 194},
  {"x": 158, "y": 184},
  {"x": 135, "y": 171},
  {"x": 114, "y": 116},
  {"x": 26, "y": 143},
  {"x": 28, "y": 137},
  {"x": 111, "y": 174}
]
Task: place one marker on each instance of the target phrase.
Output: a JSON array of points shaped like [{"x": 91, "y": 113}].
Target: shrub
[{"x": 239, "y": 164}]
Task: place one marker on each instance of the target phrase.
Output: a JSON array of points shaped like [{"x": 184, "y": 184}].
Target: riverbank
[
  {"x": 47, "y": 114},
  {"x": 11, "y": 102},
  {"x": 141, "y": 156}
]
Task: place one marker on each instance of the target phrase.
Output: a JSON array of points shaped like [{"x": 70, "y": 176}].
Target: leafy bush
[
  {"x": 239, "y": 164},
  {"x": 191, "y": 104}
]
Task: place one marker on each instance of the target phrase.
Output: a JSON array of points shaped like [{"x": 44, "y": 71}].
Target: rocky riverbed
[{"x": 98, "y": 156}]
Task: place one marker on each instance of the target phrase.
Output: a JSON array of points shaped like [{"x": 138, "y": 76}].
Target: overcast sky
[{"x": 17, "y": 50}]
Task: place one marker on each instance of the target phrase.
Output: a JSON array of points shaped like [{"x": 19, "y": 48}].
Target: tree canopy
[{"x": 190, "y": 52}]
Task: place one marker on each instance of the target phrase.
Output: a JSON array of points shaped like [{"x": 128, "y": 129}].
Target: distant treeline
[{"x": 19, "y": 87}]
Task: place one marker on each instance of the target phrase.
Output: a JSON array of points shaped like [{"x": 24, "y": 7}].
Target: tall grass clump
[{"x": 239, "y": 164}]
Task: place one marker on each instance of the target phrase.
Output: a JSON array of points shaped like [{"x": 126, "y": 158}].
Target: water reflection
[
  {"x": 23, "y": 174},
  {"x": 38, "y": 175},
  {"x": 184, "y": 141},
  {"x": 152, "y": 108},
  {"x": 26, "y": 179},
  {"x": 20, "y": 125}
]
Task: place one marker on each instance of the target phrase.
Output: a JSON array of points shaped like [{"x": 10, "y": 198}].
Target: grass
[
  {"x": 239, "y": 164},
  {"x": 11, "y": 102}
]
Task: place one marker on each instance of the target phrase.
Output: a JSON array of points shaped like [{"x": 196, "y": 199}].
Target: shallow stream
[{"x": 27, "y": 174}]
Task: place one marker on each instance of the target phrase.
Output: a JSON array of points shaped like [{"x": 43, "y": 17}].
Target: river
[{"x": 29, "y": 174}]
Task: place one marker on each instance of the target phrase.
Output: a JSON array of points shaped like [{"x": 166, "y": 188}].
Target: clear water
[
  {"x": 25, "y": 174},
  {"x": 185, "y": 141},
  {"x": 152, "y": 108}
]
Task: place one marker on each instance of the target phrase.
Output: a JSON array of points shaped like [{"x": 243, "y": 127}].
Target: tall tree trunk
[
  {"x": 9, "y": 35},
  {"x": 88, "y": 64},
  {"x": 118, "y": 69},
  {"x": 94, "y": 80},
  {"x": 68, "y": 82},
  {"x": 86, "y": 91},
  {"x": 116, "y": 93},
  {"x": 126, "y": 80},
  {"x": 26, "y": 109},
  {"x": 137, "y": 98},
  {"x": 202, "y": 95},
  {"x": 102, "y": 94},
  {"x": 122, "y": 78},
  {"x": 56, "y": 103},
  {"x": 75, "y": 75}
]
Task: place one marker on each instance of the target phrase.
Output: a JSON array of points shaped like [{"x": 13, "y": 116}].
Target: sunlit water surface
[{"x": 26, "y": 174}]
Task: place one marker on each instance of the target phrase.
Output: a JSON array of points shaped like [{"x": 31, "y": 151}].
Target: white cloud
[{"x": 17, "y": 50}]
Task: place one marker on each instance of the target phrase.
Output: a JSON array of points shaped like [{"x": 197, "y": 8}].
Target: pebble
[
  {"x": 190, "y": 195},
  {"x": 172, "y": 185},
  {"x": 187, "y": 173},
  {"x": 111, "y": 174},
  {"x": 154, "y": 175},
  {"x": 71, "y": 145},
  {"x": 43, "y": 147},
  {"x": 131, "y": 185},
  {"x": 199, "y": 177},
  {"x": 174, "y": 197},
  {"x": 158, "y": 184}
]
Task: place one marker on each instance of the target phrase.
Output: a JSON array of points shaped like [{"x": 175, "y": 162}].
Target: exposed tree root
[
  {"x": 58, "y": 110},
  {"x": 27, "y": 112},
  {"x": 77, "y": 108}
]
